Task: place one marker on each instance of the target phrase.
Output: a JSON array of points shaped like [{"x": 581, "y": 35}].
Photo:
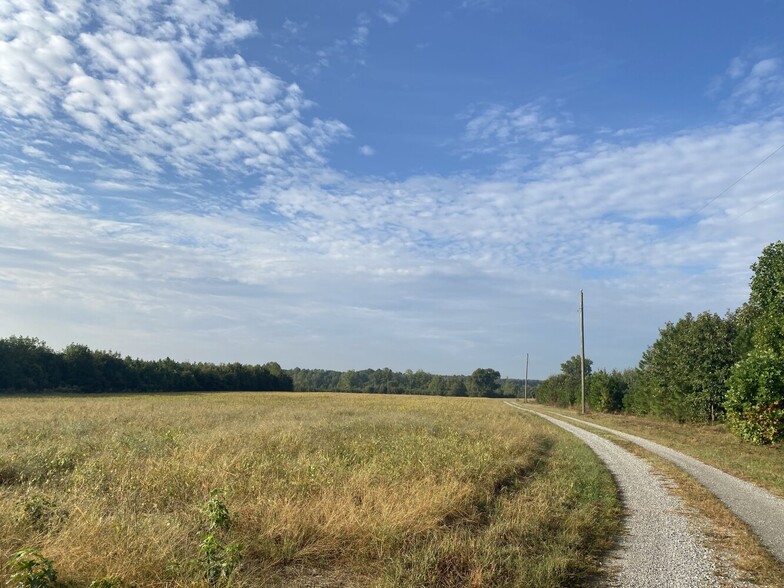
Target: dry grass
[{"x": 324, "y": 490}]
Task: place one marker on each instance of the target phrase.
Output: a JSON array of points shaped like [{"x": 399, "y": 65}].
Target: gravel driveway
[
  {"x": 661, "y": 547},
  {"x": 760, "y": 509}
]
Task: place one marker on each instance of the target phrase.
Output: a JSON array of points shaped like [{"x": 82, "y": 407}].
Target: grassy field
[
  {"x": 321, "y": 490},
  {"x": 712, "y": 444}
]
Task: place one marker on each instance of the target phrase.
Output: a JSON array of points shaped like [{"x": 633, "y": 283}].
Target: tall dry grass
[{"x": 323, "y": 490}]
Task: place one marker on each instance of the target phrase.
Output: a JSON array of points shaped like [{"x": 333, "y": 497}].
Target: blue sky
[{"x": 388, "y": 183}]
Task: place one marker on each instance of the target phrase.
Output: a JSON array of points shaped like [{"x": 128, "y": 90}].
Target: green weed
[{"x": 30, "y": 569}]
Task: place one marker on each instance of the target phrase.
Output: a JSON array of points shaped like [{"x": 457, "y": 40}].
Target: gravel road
[
  {"x": 661, "y": 548},
  {"x": 760, "y": 509}
]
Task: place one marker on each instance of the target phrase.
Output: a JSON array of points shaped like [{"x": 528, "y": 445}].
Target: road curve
[
  {"x": 660, "y": 548},
  {"x": 760, "y": 509}
]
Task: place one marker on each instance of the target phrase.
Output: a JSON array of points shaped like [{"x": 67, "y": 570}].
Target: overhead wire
[
  {"x": 736, "y": 182},
  {"x": 776, "y": 193}
]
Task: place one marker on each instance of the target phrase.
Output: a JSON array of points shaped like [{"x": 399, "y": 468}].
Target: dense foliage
[
  {"x": 564, "y": 389},
  {"x": 28, "y": 364},
  {"x": 686, "y": 369},
  {"x": 702, "y": 368},
  {"x": 483, "y": 382},
  {"x": 755, "y": 401}
]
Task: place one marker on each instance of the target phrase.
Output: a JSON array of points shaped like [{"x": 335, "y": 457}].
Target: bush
[{"x": 755, "y": 401}]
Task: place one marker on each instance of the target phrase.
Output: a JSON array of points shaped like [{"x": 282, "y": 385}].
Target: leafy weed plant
[
  {"x": 29, "y": 569},
  {"x": 216, "y": 560}
]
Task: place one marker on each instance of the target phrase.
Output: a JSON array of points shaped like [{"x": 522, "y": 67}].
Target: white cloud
[
  {"x": 393, "y": 10},
  {"x": 320, "y": 268},
  {"x": 293, "y": 28},
  {"x": 752, "y": 82},
  {"x": 492, "y": 5},
  {"x": 132, "y": 83},
  {"x": 115, "y": 186},
  {"x": 496, "y": 128},
  {"x": 361, "y": 31},
  {"x": 33, "y": 152},
  {"x": 446, "y": 268}
]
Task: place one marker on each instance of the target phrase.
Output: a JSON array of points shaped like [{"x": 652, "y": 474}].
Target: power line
[
  {"x": 776, "y": 193},
  {"x": 736, "y": 182}
]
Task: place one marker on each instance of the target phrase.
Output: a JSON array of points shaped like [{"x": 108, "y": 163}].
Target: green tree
[
  {"x": 767, "y": 299},
  {"x": 564, "y": 389},
  {"x": 755, "y": 402},
  {"x": 511, "y": 388},
  {"x": 686, "y": 369},
  {"x": 483, "y": 382},
  {"x": 457, "y": 386},
  {"x": 27, "y": 363},
  {"x": 436, "y": 386},
  {"x": 348, "y": 381},
  {"x": 571, "y": 367},
  {"x": 606, "y": 391}
]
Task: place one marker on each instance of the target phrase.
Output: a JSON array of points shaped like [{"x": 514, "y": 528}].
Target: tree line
[
  {"x": 485, "y": 382},
  {"x": 702, "y": 368},
  {"x": 30, "y": 365}
]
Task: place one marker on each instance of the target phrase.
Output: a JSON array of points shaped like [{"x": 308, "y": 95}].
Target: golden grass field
[{"x": 322, "y": 490}]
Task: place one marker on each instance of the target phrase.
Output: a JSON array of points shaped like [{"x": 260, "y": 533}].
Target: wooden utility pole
[
  {"x": 525, "y": 396},
  {"x": 582, "y": 353}
]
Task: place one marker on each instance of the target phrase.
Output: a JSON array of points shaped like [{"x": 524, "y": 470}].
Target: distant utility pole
[
  {"x": 582, "y": 352},
  {"x": 525, "y": 393}
]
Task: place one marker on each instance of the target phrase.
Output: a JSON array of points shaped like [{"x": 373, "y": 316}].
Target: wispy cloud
[
  {"x": 393, "y": 10},
  {"x": 752, "y": 82},
  {"x": 351, "y": 47},
  {"x": 492, "y": 5},
  {"x": 33, "y": 152},
  {"x": 512, "y": 131}
]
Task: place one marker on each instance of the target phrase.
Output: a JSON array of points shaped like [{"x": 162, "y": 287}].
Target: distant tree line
[
  {"x": 485, "y": 382},
  {"x": 28, "y": 364},
  {"x": 702, "y": 368}
]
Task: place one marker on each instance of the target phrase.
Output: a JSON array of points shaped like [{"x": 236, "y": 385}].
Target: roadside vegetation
[
  {"x": 296, "y": 490},
  {"x": 702, "y": 369}
]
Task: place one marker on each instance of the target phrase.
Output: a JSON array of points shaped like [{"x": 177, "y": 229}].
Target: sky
[{"x": 384, "y": 183}]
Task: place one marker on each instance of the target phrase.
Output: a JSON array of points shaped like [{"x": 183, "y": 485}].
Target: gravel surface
[
  {"x": 760, "y": 509},
  {"x": 661, "y": 548}
]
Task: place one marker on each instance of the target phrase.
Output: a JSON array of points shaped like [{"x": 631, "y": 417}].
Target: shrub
[{"x": 755, "y": 401}]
